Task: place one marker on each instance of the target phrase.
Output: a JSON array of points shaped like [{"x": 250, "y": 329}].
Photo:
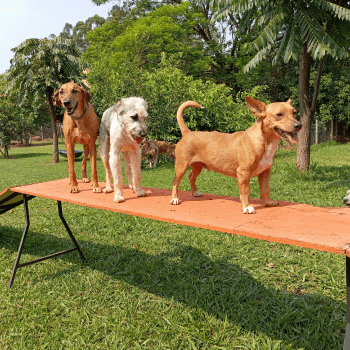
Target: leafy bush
[{"x": 165, "y": 89}]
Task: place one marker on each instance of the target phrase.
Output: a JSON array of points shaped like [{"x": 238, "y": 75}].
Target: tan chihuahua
[{"x": 242, "y": 155}]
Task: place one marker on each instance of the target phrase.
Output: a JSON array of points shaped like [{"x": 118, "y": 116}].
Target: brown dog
[
  {"x": 167, "y": 148},
  {"x": 241, "y": 155},
  {"x": 80, "y": 124},
  {"x": 150, "y": 152}
]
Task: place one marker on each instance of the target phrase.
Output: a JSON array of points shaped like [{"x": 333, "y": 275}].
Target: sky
[{"x": 25, "y": 19}]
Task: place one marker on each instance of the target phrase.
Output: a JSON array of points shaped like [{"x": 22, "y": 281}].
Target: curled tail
[{"x": 180, "y": 112}]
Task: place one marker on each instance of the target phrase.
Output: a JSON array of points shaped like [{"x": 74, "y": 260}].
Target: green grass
[{"x": 156, "y": 285}]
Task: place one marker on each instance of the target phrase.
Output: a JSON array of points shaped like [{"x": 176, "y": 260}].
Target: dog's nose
[
  {"x": 66, "y": 103},
  {"x": 143, "y": 133},
  {"x": 297, "y": 126}
]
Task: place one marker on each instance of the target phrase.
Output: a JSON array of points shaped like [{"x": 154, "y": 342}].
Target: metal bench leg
[
  {"x": 347, "y": 332},
  {"x": 59, "y": 204},
  {"x": 17, "y": 264},
  {"x": 24, "y": 236}
]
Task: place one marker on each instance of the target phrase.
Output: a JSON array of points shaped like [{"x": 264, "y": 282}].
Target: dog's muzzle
[
  {"x": 69, "y": 108},
  {"x": 346, "y": 199},
  {"x": 290, "y": 137}
]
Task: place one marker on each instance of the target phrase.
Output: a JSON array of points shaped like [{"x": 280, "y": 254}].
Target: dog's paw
[
  {"x": 141, "y": 193},
  {"x": 74, "y": 189},
  {"x": 248, "y": 210},
  {"x": 118, "y": 199},
  {"x": 107, "y": 190},
  {"x": 86, "y": 180},
  {"x": 271, "y": 203},
  {"x": 197, "y": 194},
  {"x": 175, "y": 201},
  {"x": 96, "y": 190}
]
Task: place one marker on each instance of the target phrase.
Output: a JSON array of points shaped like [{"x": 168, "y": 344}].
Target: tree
[
  {"x": 15, "y": 122},
  {"x": 38, "y": 68},
  {"x": 221, "y": 40},
  {"x": 334, "y": 96},
  {"x": 79, "y": 32},
  {"x": 300, "y": 30},
  {"x": 168, "y": 29}
]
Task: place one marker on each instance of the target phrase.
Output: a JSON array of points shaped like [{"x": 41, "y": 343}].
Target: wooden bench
[{"x": 325, "y": 229}]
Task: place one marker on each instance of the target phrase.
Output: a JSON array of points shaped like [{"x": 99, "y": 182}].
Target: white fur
[
  {"x": 346, "y": 199},
  {"x": 249, "y": 210},
  {"x": 120, "y": 125}
]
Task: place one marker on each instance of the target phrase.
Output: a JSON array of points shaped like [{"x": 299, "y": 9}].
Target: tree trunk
[
  {"x": 6, "y": 151},
  {"x": 55, "y": 157},
  {"x": 303, "y": 150}
]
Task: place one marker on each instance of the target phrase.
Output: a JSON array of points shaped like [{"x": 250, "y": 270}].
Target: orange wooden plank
[{"x": 326, "y": 229}]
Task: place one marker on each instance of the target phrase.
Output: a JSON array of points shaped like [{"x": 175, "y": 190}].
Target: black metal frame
[{"x": 17, "y": 264}]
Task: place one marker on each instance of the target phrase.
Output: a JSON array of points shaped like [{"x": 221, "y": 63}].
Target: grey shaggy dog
[{"x": 122, "y": 128}]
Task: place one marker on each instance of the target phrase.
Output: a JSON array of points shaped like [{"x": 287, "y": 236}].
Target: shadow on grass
[
  {"x": 26, "y": 155},
  {"x": 219, "y": 288}
]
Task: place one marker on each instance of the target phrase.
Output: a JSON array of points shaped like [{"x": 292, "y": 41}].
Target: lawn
[{"x": 156, "y": 285}]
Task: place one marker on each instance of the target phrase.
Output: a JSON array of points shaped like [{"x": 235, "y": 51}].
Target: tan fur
[
  {"x": 241, "y": 155},
  {"x": 167, "y": 148},
  {"x": 75, "y": 99},
  {"x": 152, "y": 149}
]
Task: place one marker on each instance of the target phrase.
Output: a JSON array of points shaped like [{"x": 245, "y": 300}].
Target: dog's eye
[
  {"x": 61, "y": 92},
  {"x": 279, "y": 115},
  {"x": 74, "y": 91},
  {"x": 135, "y": 117}
]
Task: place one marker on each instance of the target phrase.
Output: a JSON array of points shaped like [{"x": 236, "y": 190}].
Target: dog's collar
[{"x": 82, "y": 116}]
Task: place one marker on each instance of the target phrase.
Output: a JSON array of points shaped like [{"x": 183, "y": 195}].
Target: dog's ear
[
  {"x": 289, "y": 101},
  {"x": 87, "y": 94},
  {"x": 57, "y": 98},
  {"x": 119, "y": 107},
  {"x": 258, "y": 108}
]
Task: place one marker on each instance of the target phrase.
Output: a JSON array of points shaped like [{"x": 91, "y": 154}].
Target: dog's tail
[{"x": 180, "y": 113}]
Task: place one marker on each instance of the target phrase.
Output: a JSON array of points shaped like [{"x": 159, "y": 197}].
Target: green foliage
[
  {"x": 334, "y": 95},
  {"x": 78, "y": 33},
  {"x": 312, "y": 23},
  {"x": 165, "y": 89},
  {"x": 15, "y": 122},
  {"x": 168, "y": 29},
  {"x": 40, "y": 66}
]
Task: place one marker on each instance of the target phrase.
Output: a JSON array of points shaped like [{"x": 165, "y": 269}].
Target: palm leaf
[
  {"x": 257, "y": 59},
  {"x": 268, "y": 35},
  {"x": 340, "y": 11},
  {"x": 290, "y": 44},
  {"x": 318, "y": 40}
]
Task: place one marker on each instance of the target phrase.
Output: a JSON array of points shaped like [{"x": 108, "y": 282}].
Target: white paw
[
  {"x": 197, "y": 194},
  {"x": 175, "y": 201},
  {"x": 108, "y": 190},
  {"x": 248, "y": 210},
  {"x": 118, "y": 199},
  {"x": 141, "y": 193},
  {"x": 96, "y": 190}
]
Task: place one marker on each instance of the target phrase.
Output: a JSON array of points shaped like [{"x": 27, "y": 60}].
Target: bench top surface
[{"x": 326, "y": 229}]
